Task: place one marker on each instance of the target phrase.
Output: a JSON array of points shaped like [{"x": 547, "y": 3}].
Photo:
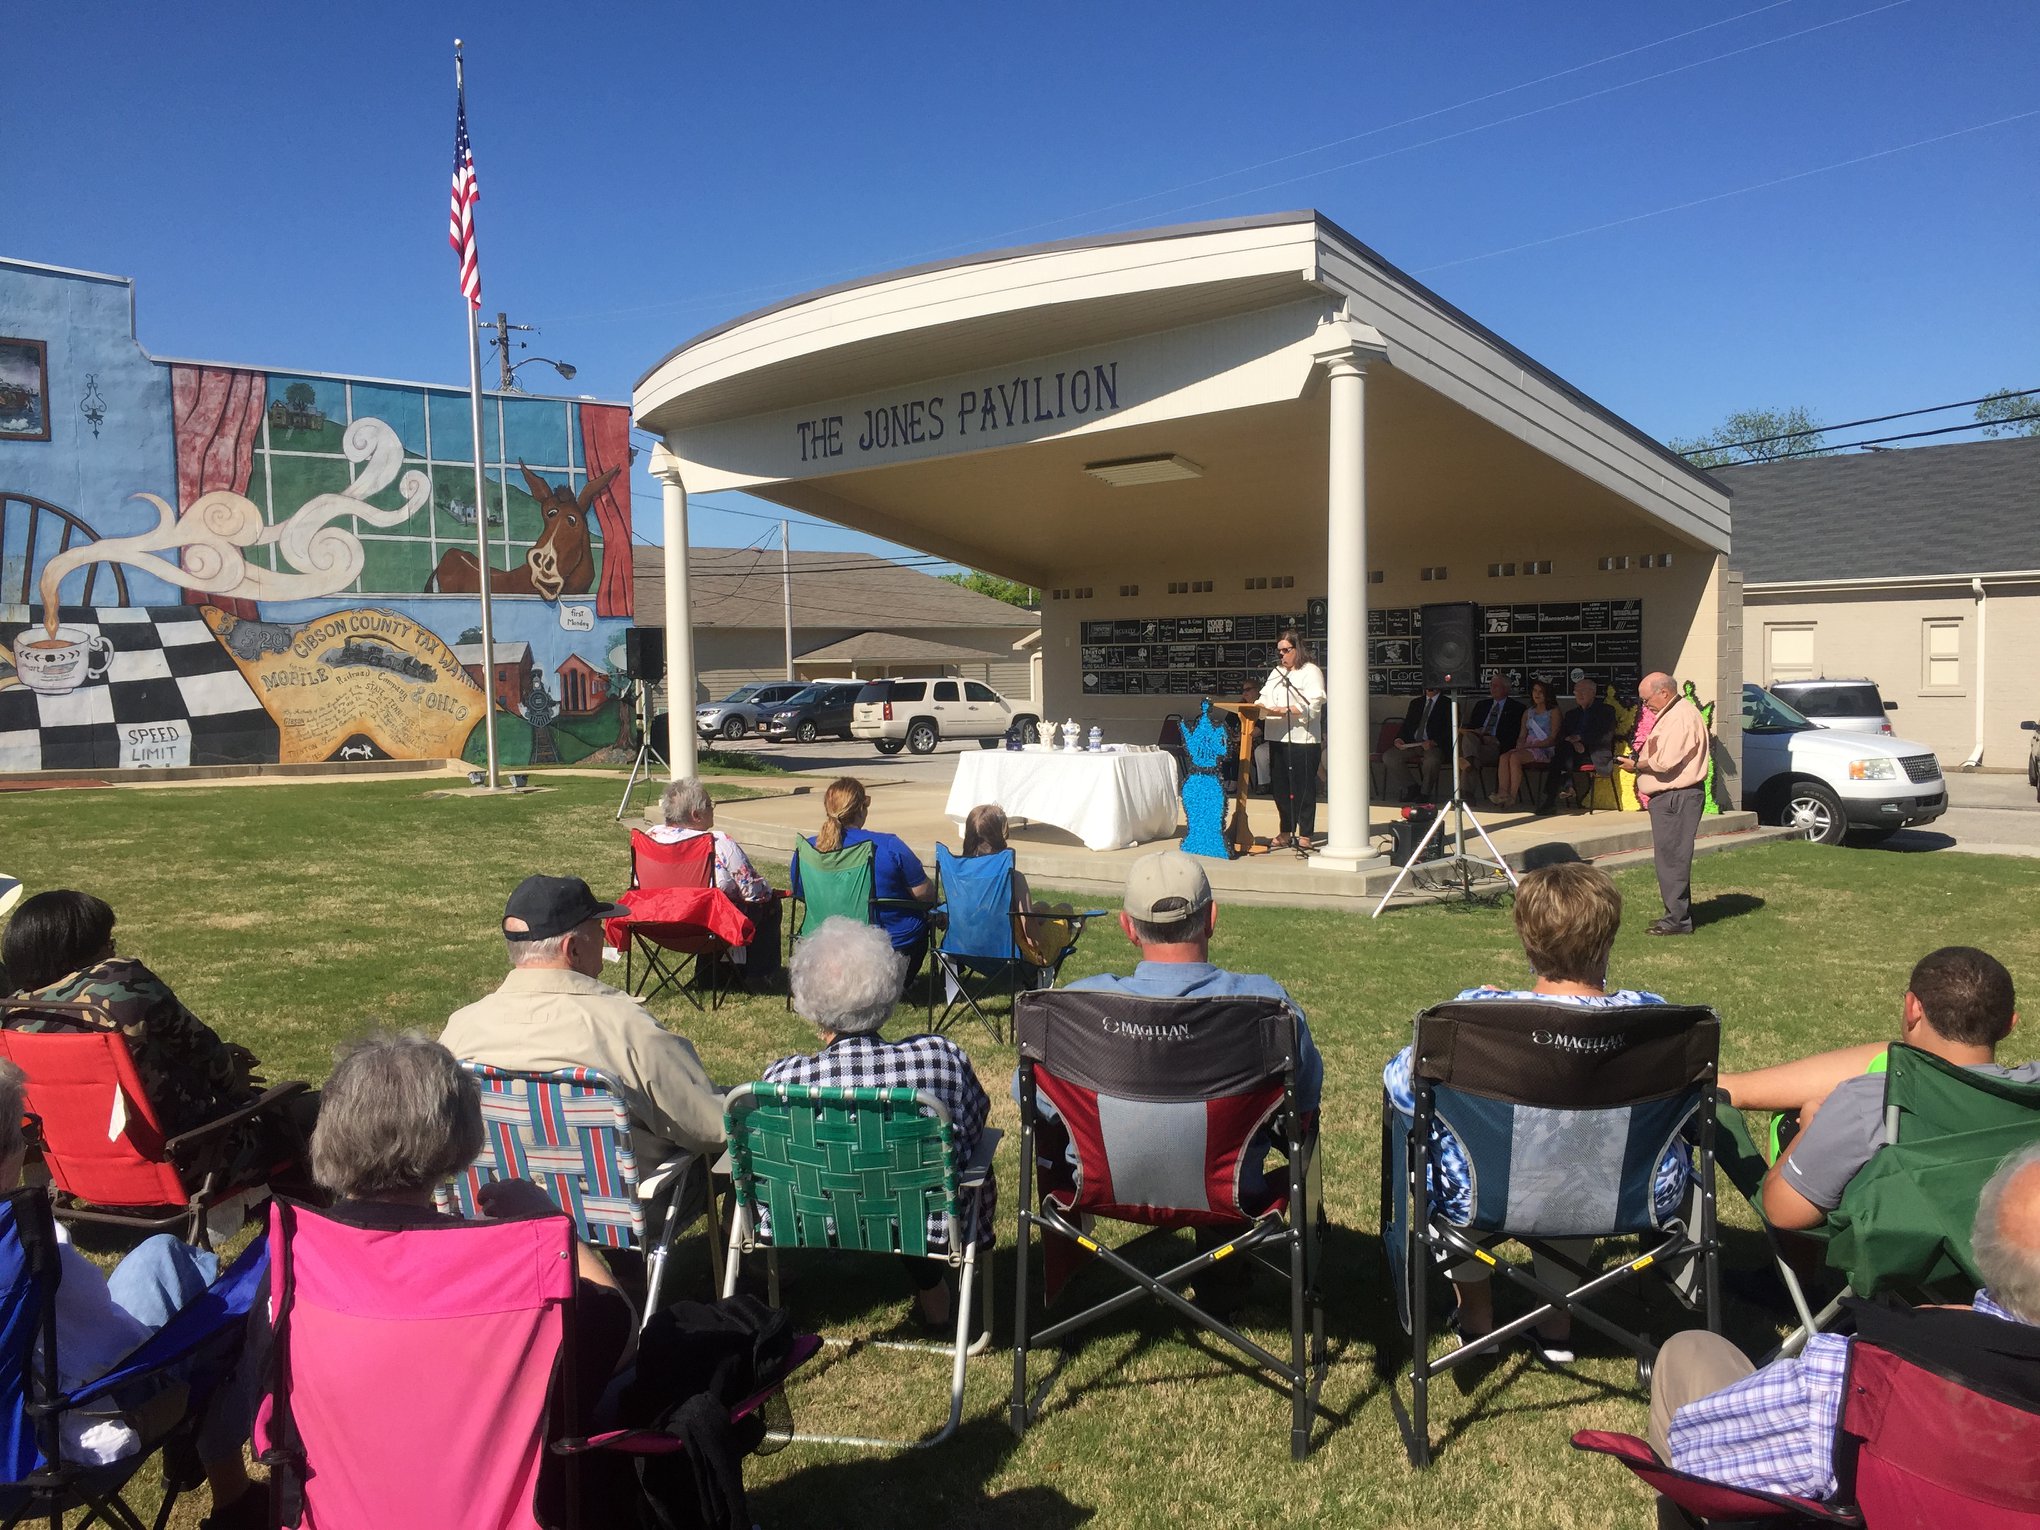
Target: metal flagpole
[
  {"x": 786, "y": 581},
  {"x": 481, "y": 476}
]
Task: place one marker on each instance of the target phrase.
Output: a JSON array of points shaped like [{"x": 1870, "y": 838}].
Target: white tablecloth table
[{"x": 1107, "y": 800}]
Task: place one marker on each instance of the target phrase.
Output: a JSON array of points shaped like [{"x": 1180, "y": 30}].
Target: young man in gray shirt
[{"x": 1958, "y": 1005}]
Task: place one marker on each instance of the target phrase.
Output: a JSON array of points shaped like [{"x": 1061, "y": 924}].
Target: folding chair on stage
[
  {"x": 980, "y": 950},
  {"x": 1564, "y": 1113},
  {"x": 682, "y": 934},
  {"x": 1160, "y": 1100},
  {"x": 1940, "y": 1426},
  {"x": 569, "y": 1134},
  {"x": 108, "y": 1158},
  {"x": 196, "y": 1351},
  {"x": 1904, "y": 1222},
  {"x": 860, "y": 1170}
]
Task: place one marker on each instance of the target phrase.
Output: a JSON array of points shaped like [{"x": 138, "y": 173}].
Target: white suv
[
  {"x": 1854, "y": 706},
  {"x": 1830, "y": 784},
  {"x": 916, "y": 715}
]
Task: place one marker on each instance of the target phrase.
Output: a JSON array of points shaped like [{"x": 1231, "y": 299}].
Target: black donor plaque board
[
  {"x": 1218, "y": 655},
  {"x": 1549, "y": 640},
  {"x": 1188, "y": 655}
]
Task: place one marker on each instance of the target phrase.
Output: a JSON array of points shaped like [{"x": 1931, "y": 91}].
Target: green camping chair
[
  {"x": 828, "y": 883},
  {"x": 861, "y": 1170},
  {"x": 1904, "y": 1222}
]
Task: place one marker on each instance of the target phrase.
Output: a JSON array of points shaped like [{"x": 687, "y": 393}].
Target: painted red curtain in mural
[
  {"x": 218, "y": 419},
  {"x": 605, "y": 444}
]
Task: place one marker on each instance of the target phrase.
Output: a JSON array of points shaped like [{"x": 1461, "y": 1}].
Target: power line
[
  {"x": 1875, "y": 419},
  {"x": 1911, "y": 435},
  {"x": 1720, "y": 196},
  {"x": 807, "y": 283}
]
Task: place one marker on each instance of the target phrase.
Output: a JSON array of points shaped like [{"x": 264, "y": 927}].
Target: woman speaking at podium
[{"x": 1292, "y": 707}]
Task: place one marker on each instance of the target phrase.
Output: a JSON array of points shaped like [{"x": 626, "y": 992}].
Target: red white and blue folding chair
[{"x": 569, "y": 1134}]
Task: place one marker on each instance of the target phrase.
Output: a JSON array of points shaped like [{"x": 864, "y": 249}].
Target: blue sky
[{"x": 276, "y": 179}]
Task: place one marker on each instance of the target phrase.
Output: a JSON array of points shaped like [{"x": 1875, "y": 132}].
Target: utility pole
[
  {"x": 786, "y": 583},
  {"x": 503, "y": 328}
]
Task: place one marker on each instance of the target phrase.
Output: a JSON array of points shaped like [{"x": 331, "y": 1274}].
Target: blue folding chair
[
  {"x": 198, "y": 1348},
  {"x": 569, "y": 1134},
  {"x": 979, "y": 951}
]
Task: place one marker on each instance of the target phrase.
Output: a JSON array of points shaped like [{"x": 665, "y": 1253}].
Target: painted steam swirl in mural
[{"x": 216, "y": 530}]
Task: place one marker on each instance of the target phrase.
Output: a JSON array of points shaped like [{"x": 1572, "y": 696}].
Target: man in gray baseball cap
[{"x": 1171, "y": 915}]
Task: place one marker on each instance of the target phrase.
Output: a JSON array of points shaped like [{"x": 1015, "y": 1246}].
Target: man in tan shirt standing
[
  {"x": 554, "y": 1012},
  {"x": 1671, "y": 767}
]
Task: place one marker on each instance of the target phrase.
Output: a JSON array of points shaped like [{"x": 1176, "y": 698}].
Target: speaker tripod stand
[
  {"x": 645, "y": 752},
  {"x": 1459, "y": 863}
]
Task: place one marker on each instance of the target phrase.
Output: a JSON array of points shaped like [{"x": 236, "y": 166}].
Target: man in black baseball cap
[
  {"x": 545, "y": 907},
  {"x": 553, "y": 1011}
]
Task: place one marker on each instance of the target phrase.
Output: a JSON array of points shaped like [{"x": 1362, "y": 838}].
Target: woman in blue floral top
[{"x": 1566, "y": 917}]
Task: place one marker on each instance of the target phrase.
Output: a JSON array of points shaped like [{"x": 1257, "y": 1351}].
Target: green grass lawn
[{"x": 294, "y": 917}]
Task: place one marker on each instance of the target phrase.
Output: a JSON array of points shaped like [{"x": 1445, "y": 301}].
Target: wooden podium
[{"x": 1239, "y": 834}]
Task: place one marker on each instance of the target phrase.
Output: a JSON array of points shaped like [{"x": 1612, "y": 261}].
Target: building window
[
  {"x": 1432, "y": 575},
  {"x": 1377, "y": 576},
  {"x": 1788, "y": 652},
  {"x": 1129, "y": 590},
  {"x": 1941, "y": 655}
]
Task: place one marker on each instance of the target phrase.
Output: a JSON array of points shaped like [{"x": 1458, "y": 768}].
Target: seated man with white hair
[
  {"x": 689, "y": 812},
  {"x": 846, "y": 980},
  {"x": 1717, "y": 1416}
]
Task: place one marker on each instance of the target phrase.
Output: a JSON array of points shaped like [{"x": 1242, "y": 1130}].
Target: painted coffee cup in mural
[{"x": 60, "y": 662}]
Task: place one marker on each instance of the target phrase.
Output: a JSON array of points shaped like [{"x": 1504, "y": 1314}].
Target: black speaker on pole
[
  {"x": 644, "y": 654},
  {"x": 1451, "y": 645}
]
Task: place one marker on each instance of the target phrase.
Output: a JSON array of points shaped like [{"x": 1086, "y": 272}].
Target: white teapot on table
[
  {"x": 1073, "y": 738},
  {"x": 1047, "y": 730}
]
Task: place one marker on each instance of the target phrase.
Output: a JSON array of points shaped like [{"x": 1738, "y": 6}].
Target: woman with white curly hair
[
  {"x": 846, "y": 980},
  {"x": 689, "y": 812}
]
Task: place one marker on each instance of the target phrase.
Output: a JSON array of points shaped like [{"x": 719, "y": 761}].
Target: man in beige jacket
[
  {"x": 1671, "y": 768},
  {"x": 553, "y": 1011}
]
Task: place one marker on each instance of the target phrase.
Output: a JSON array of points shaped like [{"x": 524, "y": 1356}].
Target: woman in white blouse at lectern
[{"x": 1293, "y": 705}]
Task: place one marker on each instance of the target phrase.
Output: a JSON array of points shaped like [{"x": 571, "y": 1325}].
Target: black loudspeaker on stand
[
  {"x": 644, "y": 654},
  {"x": 1451, "y": 645}
]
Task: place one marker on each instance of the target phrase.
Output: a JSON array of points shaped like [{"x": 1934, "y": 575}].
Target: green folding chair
[
  {"x": 1904, "y": 1222},
  {"x": 859, "y": 1170},
  {"x": 830, "y": 882}
]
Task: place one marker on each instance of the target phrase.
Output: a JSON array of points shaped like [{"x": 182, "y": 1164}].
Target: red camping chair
[
  {"x": 411, "y": 1372},
  {"x": 653, "y": 863},
  {"x": 682, "y": 933},
  {"x": 1917, "y": 1444},
  {"x": 107, "y": 1155},
  {"x": 1391, "y": 730}
]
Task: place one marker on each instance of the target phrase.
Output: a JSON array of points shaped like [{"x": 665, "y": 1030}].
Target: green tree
[
  {"x": 1747, "y": 436},
  {"x": 991, "y": 584},
  {"x": 1999, "y": 415},
  {"x": 300, "y": 396}
]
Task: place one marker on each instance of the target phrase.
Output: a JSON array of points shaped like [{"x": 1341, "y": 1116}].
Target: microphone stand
[{"x": 1459, "y": 861}]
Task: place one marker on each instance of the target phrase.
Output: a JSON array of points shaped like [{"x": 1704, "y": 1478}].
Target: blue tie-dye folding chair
[
  {"x": 980, "y": 944},
  {"x": 569, "y": 1133},
  {"x": 197, "y": 1350}
]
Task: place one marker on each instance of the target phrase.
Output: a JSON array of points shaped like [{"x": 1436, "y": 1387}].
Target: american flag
[{"x": 461, "y": 225}]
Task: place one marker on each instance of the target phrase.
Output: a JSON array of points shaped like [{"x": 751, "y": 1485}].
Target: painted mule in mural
[{"x": 560, "y": 562}]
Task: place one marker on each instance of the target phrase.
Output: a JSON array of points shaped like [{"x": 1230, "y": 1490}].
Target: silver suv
[
  {"x": 744, "y": 709},
  {"x": 1854, "y": 706},
  {"x": 916, "y": 715}
]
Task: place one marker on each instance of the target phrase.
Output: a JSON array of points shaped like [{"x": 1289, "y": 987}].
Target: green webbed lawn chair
[
  {"x": 861, "y": 1170},
  {"x": 1904, "y": 1222}
]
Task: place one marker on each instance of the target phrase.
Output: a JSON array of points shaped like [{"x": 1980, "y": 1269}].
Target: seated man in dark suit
[
  {"x": 1586, "y": 736},
  {"x": 1488, "y": 732},
  {"x": 1409, "y": 768}
]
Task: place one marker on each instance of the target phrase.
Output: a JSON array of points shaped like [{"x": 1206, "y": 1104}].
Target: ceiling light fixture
[{"x": 1123, "y": 472}]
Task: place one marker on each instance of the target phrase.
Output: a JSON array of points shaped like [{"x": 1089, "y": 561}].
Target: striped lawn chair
[{"x": 568, "y": 1133}]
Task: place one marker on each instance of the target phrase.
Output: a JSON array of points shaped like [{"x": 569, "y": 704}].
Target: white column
[
  {"x": 1346, "y": 351},
  {"x": 680, "y": 742}
]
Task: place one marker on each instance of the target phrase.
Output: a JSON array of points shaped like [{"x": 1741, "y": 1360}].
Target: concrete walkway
[{"x": 1051, "y": 858}]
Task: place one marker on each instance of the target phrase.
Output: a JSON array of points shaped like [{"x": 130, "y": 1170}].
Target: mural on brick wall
[{"x": 284, "y": 568}]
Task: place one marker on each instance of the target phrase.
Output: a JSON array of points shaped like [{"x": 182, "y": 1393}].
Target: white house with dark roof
[{"x": 1918, "y": 569}]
